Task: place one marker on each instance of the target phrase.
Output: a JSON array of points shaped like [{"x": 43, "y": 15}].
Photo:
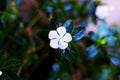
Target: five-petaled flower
[{"x": 59, "y": 38}]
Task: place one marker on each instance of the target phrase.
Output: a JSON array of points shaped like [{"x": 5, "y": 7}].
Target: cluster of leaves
[
  {"x": 105, "y": 50},
  {"x": 72, "y": 9},
  {"x": 24, "y": 37},
  {"x": 8, "y": 67},
  {"x": 71, "y": 53},
  {"x": 100, "y": 52}
]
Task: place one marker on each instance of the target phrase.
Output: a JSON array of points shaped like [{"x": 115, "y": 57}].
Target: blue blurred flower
[
  {"x": 92, "y": 7},
  {"x": 111, "y": 40},
  {"x": 114, "y": 29},
  {"x": 55, "y": 67},
  {"x": 105, "y": 74},
  {"x": 49, "y": 9},
  {"x": 18, "y": 2},
  {"x": 93, "y": 36},
  {"x": 68, "y": 7},
  {"x": 103, "y": 29}
]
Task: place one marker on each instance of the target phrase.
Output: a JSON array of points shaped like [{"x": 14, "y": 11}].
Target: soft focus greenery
[{"x": 25, "y": 53}]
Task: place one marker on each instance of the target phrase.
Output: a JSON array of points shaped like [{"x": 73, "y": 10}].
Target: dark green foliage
[
  {"x": 12, "y": 64},
  {"x": 9, "y": 75},
  {"x": 3, "y": 5},
  {"x": 8, "y": 67},
  {"x": 71, "y": 53},
  {"x": 24, "y": 44}
]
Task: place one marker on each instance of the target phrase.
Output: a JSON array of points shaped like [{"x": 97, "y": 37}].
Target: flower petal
[
  {"x": 54, "y": 43},
  {"x": 67, "y": 37},
  {"x": 62, "y": 44},
  {"x": 53, "y": 34},
  {"x": 61, "y": 31}
]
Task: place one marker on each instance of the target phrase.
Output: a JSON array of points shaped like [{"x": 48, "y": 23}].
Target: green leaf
[
  {"x": 8, "y": 75},
  {"x": 68, "y": 25},
  {"x": 1, "y": 54},
  {"x": 105, "y": 74},
  {"x": 8, "y": 28},
  {"x": 71, "y": 53},
  {"x": 12, "y": 64},
  {"x": 54, "y": 24},
  {"x": 115, "y": 59},
  {"x": 59, "y": 54},
  {"x": 78, "y": 33},
  {"x": 91, "y": 51},
  {"x": 3, "y": 58}
]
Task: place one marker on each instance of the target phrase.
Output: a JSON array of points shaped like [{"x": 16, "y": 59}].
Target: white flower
[
  {"x": 0, "y": 73},
  {"x": 102, "y": 11},
  {"x": 59, "y": 38}
]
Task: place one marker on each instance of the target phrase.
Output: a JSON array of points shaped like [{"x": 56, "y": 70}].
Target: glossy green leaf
[
  {"x": 71, "y": 53},
  {"x": 68, "y": 25},
  {"x": 115, "y": 59},
  {"x": 91, "y": 51},
  {"x": 78, "y": 33}
]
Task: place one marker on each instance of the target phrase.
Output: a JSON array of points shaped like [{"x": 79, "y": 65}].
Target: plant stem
[{"x": 34, "y": 20}]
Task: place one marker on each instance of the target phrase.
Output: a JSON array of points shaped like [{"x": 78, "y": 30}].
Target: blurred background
[
  {"x": 93, "y": 54},
  {"x": 113, "y": 16}
]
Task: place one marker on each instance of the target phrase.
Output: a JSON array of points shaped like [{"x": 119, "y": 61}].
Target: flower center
[{"x": 60, "y": 38}]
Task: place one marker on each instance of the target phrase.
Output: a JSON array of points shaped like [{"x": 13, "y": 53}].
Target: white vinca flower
[
  {"x": 59, "y": 38},
  {"x": 0, "y": 73},
  {"x": 102, "y": 11}
]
